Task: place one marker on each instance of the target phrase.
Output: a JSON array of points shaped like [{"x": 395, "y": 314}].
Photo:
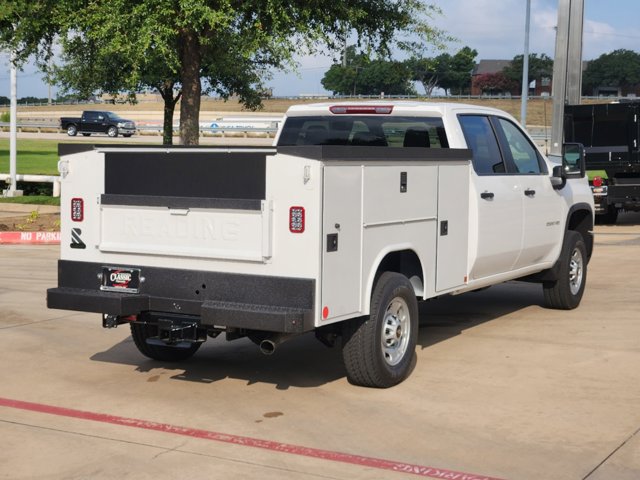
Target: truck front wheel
[
  {"x": 379, "y": 350},
  {"x": 165, "y": 353},
  {"x": 566, "y": 292}
]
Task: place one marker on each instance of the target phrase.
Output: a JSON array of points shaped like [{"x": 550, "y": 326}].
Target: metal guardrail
[{"x": 55, "y": 180}]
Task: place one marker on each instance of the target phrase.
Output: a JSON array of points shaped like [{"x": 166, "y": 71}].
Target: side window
[
  {"x": 481, "y": 139},
  {"x": 90, "y": 116},
  {"x": 524, "y": 155}
]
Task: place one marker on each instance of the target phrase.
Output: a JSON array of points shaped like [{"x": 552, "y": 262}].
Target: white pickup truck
[{"x": 359, "y": 211}]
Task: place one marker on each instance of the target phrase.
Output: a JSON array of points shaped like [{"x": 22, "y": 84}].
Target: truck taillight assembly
[
  {"x": 597, "y": 181},
  {"x": 77, "y": 209},
  {"x": 361, "y": 109},
  {"x": 296, "y": 219}
]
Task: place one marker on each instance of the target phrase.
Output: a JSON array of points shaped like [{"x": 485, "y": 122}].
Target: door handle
[
  {"x": 487, "y": 195},
  {"x": 529, "y": 193}
]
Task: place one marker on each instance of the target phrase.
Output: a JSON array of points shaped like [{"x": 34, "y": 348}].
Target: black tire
[
  {"x": 127, "y": 135},
  {"x": 379, "y": 350},
  {"x": 72, "y": 130},
  {"x": 86, "y": 134},
  {"x": 112, "y": 131},
  {"x": 165, "y": 353},
  {"x": 609, "y": 218},
  {"x": 566, "y": 292}
]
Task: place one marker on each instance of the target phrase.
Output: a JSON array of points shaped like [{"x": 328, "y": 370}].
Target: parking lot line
[{"x": 371, "y": 462}]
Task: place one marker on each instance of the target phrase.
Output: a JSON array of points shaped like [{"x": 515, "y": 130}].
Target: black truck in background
[
  {"x": 611, "y": 136},
  {"x": 98, "y": 122}
]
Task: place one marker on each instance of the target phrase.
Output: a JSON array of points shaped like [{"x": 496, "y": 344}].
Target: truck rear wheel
[
  {"x": 566, "y": 292},
  {"x": 166, "y": 353},
  {"x": 112, "y": 131},
  {"x": 378, "y": 350},
  {"x": 72, "y": 130}
]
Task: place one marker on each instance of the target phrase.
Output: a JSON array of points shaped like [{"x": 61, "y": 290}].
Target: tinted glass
[
  {"x": 524, "y": 155},
  {"x": 481, "y": 139},
  {"x": 372, "y": 131}
]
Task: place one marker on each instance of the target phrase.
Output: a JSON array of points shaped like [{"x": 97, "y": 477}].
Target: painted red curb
[
  {"x": 371, "y": 462},
  {"x": 30, "y": 238}
]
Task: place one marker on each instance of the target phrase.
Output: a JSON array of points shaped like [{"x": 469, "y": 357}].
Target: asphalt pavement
[{"x": 502, "y": 388}]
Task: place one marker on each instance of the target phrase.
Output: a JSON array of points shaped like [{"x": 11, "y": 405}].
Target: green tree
[
  {"x": 89, "y": 67},
  {"x": 539, "y": 66},
  {"x": 428, "y": 71},
  {"x": 450, "y": 72},
  {"x": 364, "y": 76},
  {"x": 230, "y": 45},
  {"x": 620, "y": 68},
  {"x": 457, "y": 76}
]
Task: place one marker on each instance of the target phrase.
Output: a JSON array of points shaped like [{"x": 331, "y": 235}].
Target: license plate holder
[{"x": 117, "y": 279}]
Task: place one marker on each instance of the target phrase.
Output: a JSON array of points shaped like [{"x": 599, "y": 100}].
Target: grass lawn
[
  {"x": 34, "y": 157},
  {"x": 33, "y": 200}
]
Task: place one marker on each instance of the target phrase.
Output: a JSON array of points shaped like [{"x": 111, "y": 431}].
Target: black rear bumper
[{"x": 253, "y": 302}]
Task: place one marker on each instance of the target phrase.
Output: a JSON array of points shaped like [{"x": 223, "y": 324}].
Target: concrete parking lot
[{"x": 502, "y": 388}]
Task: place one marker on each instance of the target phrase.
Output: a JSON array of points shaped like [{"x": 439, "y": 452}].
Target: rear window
[{"x": 363, "y": 130}]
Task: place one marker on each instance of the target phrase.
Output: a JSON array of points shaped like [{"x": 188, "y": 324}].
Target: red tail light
[
  {"x": 296, "y": 219},
  {"x": 77, "y": 209},
  {"x": 597, "y": 181},
  {"x": 365, "y": 109}
]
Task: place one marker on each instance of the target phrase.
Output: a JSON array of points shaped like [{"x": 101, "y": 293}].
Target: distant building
[{"x": 537, "y": 86}]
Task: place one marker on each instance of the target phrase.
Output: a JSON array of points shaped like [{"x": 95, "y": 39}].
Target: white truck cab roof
[{"x": 386, "y": 107}]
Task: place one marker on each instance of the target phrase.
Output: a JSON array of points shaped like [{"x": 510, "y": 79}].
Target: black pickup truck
[
  {"x": 98, "y": 122},
  {"x": 611, "y": 136}
]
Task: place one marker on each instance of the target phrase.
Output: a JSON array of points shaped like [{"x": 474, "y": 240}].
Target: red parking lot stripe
[{"x": 371, "y": 462}]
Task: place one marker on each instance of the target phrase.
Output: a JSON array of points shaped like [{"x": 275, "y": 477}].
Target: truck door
[
  {"x": 90, "y": 122},
  {"x": 496, "y": 203},
  {"x": 542, "y": 225}
]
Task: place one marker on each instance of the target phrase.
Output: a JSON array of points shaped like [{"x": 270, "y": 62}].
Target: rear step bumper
[{"x": 275, "y": 304}]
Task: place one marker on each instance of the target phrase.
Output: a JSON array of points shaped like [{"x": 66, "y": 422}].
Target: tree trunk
[
  {"x": 190, "y": 60},
  {"x": 166, "y": 91}
]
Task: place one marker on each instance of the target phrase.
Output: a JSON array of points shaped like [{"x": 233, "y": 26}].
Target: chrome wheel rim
[
  {"x": 576, "y": 271},
  {"x": 396, "y": 331}
]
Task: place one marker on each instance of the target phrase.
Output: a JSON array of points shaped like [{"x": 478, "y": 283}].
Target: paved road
[{"x": 502, "y": 388}]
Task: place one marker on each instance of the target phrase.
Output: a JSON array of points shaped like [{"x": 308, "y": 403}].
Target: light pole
[
  {"x": 12, "y": 191},
  {"x": 525, "y": 68}
]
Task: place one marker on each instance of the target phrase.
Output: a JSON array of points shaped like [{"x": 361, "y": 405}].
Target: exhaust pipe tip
[{"x": 267, "y": 347}]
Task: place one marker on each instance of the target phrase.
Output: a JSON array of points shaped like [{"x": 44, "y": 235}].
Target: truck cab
[{"x": 92, "y": 122}]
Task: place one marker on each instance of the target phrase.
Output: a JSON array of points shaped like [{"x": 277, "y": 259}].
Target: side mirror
[
  {"x": 573, "y": 161},
  {"x": 558, "y": 177}
]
